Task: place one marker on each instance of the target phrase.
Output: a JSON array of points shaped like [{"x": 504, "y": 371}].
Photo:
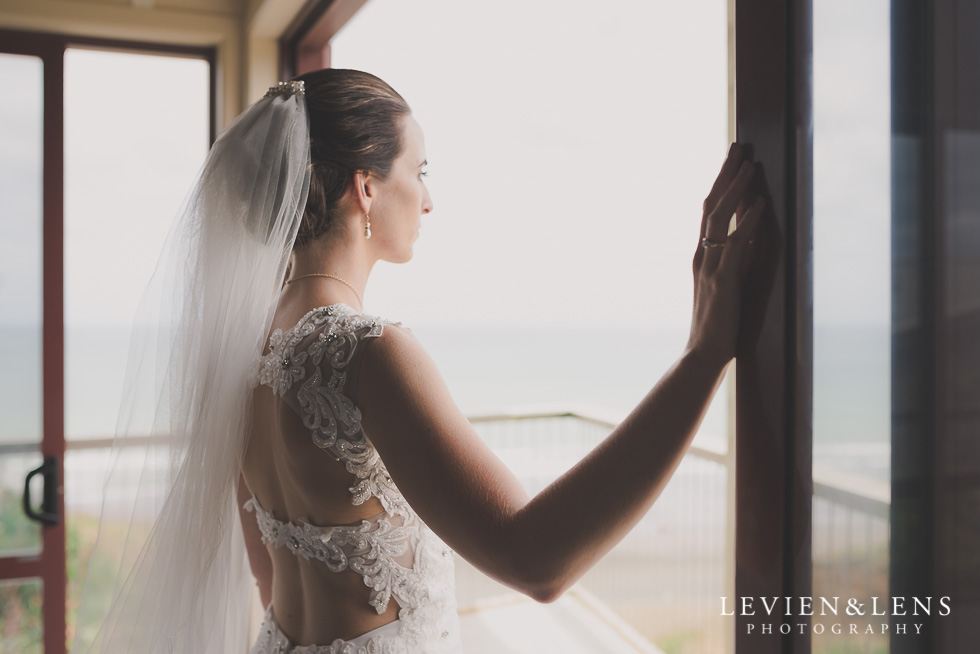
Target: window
[
  {"x": 569, "y": 156},
  {"x": 128, "y": 163},
  {"x": 21, "y": 422},
  {"x": 851, "y": 310},
  {"x": 86, "y": 166}
]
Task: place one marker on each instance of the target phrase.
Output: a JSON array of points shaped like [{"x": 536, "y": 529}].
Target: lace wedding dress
[{"x": 396, "y": 554}]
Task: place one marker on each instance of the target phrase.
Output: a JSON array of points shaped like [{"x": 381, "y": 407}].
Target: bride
[{"x": 315, "y": 444}]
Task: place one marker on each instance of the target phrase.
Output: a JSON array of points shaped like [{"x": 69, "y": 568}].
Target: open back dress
[{"x": 394, "y": 552}]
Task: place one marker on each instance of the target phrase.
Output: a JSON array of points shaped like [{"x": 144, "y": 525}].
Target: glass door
[
  {"x": 851, "y": 315},
  {"x": 31, "y": 526},
  {"x": 78, "y": 236},
  {"x": 127, "y": 168}
]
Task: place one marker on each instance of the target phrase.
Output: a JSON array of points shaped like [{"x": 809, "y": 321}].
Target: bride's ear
[{"x": 363, "y": 190}]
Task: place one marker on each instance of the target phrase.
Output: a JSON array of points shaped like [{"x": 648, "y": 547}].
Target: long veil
[{"x": 179, "y": 579}]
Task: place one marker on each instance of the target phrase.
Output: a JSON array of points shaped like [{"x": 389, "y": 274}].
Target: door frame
[
  {"x": 774, "y": 361},
  {"x": 50, "y": 565}
]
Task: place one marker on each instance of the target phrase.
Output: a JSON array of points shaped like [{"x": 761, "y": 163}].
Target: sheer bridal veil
[{"x": 169, "y": 572}]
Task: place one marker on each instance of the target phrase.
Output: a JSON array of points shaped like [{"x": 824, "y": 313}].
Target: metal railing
[{"x": 666, "y": 576}]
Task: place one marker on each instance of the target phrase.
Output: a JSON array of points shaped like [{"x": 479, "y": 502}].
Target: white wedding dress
[{"x": 397, "y": 555}]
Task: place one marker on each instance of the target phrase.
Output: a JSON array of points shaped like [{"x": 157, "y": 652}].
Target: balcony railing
[
  {"x": 661, "y": 584},
  {"x": 668, "y": 574}
]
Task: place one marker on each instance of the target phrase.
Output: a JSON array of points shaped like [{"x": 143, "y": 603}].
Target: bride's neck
[{"x": 337, "y": 253}]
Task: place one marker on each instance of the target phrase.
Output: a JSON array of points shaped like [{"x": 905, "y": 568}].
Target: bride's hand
[{"x": 719, "y": 269}]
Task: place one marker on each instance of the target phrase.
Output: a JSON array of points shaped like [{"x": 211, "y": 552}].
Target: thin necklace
[{"x": 290, "y": 281}]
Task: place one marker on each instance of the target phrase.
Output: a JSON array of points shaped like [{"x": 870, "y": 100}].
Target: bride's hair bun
[{"x": 354, "y": 125}]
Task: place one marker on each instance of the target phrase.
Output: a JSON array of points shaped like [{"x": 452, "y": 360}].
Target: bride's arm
[
  {"x": 538, "y": 545},
  {"x": 542, "y": 545},
  {"x": 258, "y": 556}
]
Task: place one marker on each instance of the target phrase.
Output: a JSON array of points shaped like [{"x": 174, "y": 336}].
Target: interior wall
[
  {"x": 244, "y": 32},
  {"x": 265, "y": 21}
]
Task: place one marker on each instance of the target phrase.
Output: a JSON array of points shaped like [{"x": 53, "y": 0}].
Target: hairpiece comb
[{"x": 295, "y": 87}]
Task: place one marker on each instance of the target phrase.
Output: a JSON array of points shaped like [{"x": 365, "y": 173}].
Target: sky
[
  {"x": 132, "y": 150},
  {"x": 569, "y": 150},
  {"x": 569, "y": 154}
]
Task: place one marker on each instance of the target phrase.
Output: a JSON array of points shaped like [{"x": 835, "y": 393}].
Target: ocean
[{"x": 607, "y": 369}]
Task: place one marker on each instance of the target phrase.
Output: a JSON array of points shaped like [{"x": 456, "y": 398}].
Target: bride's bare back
[
  {"x": 346, "y": 549},
  {"x": 297, "y": 481}
]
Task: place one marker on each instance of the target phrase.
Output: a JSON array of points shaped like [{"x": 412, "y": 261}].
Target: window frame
[
  {"x": 305, "y": 45},
  {"x": 774, "y": 360},
  {"x": 50, "y": 566}
]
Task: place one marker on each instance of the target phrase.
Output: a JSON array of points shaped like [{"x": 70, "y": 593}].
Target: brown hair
[{"x": 354, "y": 126}]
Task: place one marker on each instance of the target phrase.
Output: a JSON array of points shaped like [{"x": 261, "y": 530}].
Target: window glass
[
  {"x": 21, "y": 221},
  {"x": 852, "y": 310},
  {"x": 570, "y": 148},
  {"x": 129, "y": 159},
  {"x": 136, "y": 133},
  {"x": 20, "y": 248}
]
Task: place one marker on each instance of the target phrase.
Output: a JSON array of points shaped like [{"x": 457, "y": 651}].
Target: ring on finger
[{"x": 707, "y": 243}]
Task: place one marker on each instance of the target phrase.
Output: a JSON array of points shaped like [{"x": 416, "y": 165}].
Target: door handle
[{"x": 49, "y": 503}]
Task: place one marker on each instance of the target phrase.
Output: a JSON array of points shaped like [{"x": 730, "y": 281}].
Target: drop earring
[{"x": 367, "y": 226}]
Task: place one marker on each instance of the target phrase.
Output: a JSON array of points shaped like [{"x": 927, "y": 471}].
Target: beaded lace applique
[
  {"x": 315, "y": 354},
  {"x": 371, "y": 549},
  {"x": 397, "y": 558}
]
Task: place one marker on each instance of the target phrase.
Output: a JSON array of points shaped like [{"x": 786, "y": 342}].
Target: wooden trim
[
  {"x": 27, "y": 567},
  {"x": 289, "y": 41},
  {"x": 54, "y": 570},
  {"x": 26, "y": 42},
  {"x": 305, "y": 45},
  {"x": 935, "y": 317},
  {"x": 775, "y": 350},
  {"x": 139, "y": 47},
  {"x": 798, "y": 580},
  {"x": 913, "y": 264},
  {"x": 302, "y": 22}
]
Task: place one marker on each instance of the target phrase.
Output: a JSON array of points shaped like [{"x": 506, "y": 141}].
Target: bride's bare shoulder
[{"x": 396, "y": 356}]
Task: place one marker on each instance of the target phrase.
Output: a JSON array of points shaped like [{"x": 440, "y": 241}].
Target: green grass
[{"x": 21, "y": 604}]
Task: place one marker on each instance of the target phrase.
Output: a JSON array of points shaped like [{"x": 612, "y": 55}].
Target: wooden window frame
[
  {"x": 50, "y": 564},
  {"x": 935, "y": 352},
  {"x": 305, "y": 45},
  {"x": 774, "y": 362},
  {"x": 935, "y": 535}
]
